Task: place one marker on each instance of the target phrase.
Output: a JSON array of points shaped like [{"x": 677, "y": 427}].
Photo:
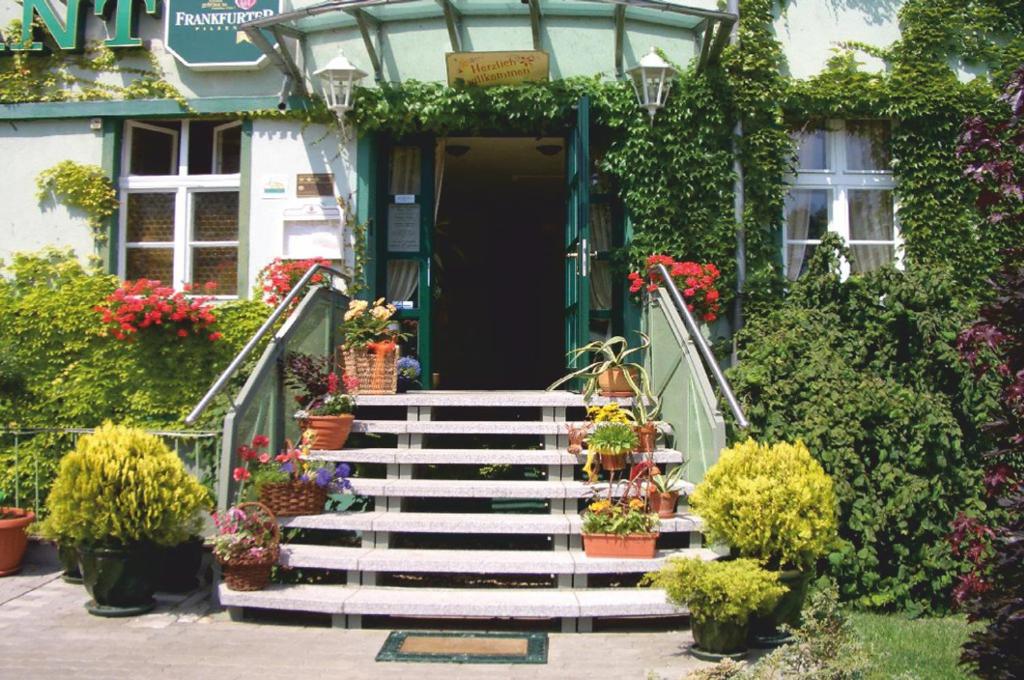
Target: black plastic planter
[
  {"x": 765, "y": 632},
  {"x": 67, "y": 553},
  {"x": 717, "y": 640},
  {"x": 177, "y": 567},
  {"x": 120, "y": 579}
]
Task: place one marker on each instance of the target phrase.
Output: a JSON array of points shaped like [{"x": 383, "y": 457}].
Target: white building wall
[{"x": 27, "y": 148}]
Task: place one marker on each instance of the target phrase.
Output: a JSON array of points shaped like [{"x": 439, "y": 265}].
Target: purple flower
[
  {"x": 323, "y": 477},
  {"x": 288, "y": 467},
  {"x": 343, "y": 470}
]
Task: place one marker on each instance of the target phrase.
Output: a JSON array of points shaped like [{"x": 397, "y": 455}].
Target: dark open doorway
[{"x": 498, "y": 263}]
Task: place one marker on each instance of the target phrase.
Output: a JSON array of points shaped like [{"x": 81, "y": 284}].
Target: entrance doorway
[{"x": 498, "y": 261}]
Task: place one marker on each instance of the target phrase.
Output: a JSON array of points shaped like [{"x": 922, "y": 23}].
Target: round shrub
[
  {"x": 121, "y": 485},
  {"x": 773, "y": 503}
]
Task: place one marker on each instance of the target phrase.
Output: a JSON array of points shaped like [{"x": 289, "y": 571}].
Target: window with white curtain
[
  {"x": 844, "y": 184},
  {"x": 179, "y": 202}
]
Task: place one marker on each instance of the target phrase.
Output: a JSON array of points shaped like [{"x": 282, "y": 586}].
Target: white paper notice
[{"x": 404, "y": 228}]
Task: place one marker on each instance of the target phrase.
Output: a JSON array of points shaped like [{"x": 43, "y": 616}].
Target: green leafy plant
[
  {"x": 81, "y": 186},
  {"x": 121, "y": 486},
  {"x": 627, "y": 517},
  {"x": 717, "y": 590},
  {"x": 611, "y": 353},
  {"x": 773, "y": 503},
  {"x": 612, "y": 439}
]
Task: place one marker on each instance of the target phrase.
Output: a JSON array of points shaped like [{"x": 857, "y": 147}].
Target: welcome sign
[
  {"x": 496, "y": 68},
  {"x": 206, "y": 34}
]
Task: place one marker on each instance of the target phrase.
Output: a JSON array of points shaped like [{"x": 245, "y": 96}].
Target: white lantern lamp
[
  {"x": 339, "y": 78},
  {"x": 652, "y": 79}
]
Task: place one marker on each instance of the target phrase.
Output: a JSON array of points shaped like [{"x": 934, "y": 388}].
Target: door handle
[{"x": 584, "y": 258}]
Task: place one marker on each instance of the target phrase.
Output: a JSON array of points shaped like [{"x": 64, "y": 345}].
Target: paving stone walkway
[{"x": 45, "y": 632}]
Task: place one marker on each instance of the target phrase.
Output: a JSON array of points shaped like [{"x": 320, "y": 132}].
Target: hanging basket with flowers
[
  {"x": 247, "y": 545},
  {"x": 370, "y": 352}
]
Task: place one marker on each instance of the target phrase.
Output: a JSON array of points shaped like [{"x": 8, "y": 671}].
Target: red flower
[
  {"x": 260, "y": 440},
  {"x": 214, "y": 337},
  {"x": 241, "y": 474},
  {"x": 182, "y": 333}
]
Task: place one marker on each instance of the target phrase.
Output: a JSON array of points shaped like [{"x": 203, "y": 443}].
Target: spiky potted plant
[
  {"x": 663, "y": 492},
  {"x": 646, "y": 408},
  {"x": 13, "y": 536},
  {"x": 610, "y": 373}
]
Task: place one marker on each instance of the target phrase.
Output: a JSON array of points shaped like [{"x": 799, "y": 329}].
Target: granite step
[
  {"x": 398, "y": 560},
  {"x": 485, "y": 603},
  {"x": 465, "y": 523},
  {"x": 473, "y": 456},
  {"x": 488, "y": 399},
  {"x": 483, "y": 488},
  {"x": 484, "y": 427}
]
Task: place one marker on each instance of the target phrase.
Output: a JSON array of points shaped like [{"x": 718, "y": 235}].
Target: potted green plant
[
  {"x": 120, "y": 492},
  {"x": 67, "y": 551},
  {"x": 663, "y": 492},
  {"x": 613, "y": 442},
  {"x": 622, "y": 529},
  {"x": 610, "y": 373},
  {"x": 645, "y": 409},
  {"x": 13, "y": 536},
  {"x": 721, "y": 597},
  {"x": 325, "y": 399},
  {"x": 775, "y": 504}
]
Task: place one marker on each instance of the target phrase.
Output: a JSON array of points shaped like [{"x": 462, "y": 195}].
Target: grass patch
[{"x": 912, "y": 648}]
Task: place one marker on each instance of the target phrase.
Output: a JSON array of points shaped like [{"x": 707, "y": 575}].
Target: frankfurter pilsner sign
[{"x": 205, "y": 34}]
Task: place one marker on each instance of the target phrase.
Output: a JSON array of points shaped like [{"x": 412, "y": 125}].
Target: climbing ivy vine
[{"x": 81, "y": 186}]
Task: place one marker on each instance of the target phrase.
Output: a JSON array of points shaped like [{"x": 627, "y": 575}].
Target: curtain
[
  {"x": 403, "y": 280},
  {"x": 601, "y": 274},
  {"x": 810, "y": 149},
  {"x": 798, "y": 223},
  {"x": 439, "y": 155},
  {"x": 405, "y": 170},
  {"x": 871, "y": 219}
]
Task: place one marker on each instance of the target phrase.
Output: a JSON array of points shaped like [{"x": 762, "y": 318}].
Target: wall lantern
[
  {"x": 652, "y": 78},
  {"x": 339, "y": 78}
]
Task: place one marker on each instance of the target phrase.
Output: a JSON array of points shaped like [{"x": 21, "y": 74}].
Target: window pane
[
  {"x": 867, "y": 258},
  {"x": 150, "y": 263},
  {"x": 405, "y": 170},
  {"x": 403, "y": 283},
  {"x": 811, "y": 147},
  {"x": 215, "y": 216},
  {"x": 213, "y": 148},
  {"x": 868, "y": 145},
  {"x": 600, "y": 285},
  {"x": 154, "y": 152},
  {"x": 219, "y": 265},
  {"x": 797, "y": 257},
  {"x": 871, "y": 216},
  {"x": 150, "y": 218},
  {"x": 807, "y": 214},
  {"x": 227, "y": 150}
]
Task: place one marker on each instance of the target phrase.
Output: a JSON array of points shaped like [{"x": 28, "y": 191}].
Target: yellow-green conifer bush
[
  {"x": 122, "y": 486},
  {"x": 773, "y": 503}
]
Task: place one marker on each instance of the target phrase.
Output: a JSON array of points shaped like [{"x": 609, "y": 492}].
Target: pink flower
[
  {"x": 241, "y": 474},
  {"x": 260, "y": 441},
  {"x": 264, "y": 458}
]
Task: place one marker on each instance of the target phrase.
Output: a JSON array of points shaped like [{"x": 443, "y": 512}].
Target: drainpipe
[{"x": 738, "y": 206}]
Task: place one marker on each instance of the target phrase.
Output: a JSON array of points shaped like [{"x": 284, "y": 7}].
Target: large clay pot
[
  {"x": 641, "y": 546},
  {"x": 716, "y": 640},
  {"x": 13, "y": 538},
  {"x": 664, "y": 503},
  {"x": 119, "y": 579},
  {"x": 613, "y": 383},
  {"x": 329, "y": 432},
  {"x": 765, "y": 632}
]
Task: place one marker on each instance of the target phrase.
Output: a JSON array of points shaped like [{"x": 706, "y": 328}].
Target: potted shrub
[
  {"x": 325, "y": 399},
  {"x": 408, "y": 374},
  {"x": 623, "y": 529},
  {"x": 613, "y": 442},
  {"x": 13, "y": 537},
  {"x": 663, "y": 492},
  {"x": 290, "y": 483},
  {"x": 67, "y": 552},
  {"x": 610, "y": 373},
  {"x": 370, "y": 351},
  {"x": 775, "y": 504},
  {"x": 116, "y": 495},
  {"x": 721, "y": 597},
  {"x": 247, "y": 545}
]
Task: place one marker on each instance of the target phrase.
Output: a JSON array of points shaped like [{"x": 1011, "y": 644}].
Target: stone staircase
[{"x": 513, "y": 545}]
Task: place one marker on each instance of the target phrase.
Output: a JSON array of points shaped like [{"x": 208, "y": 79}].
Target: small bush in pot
[
  {"x": 120, "y": 492},
  {"x": 721, "y": 597},
  {"x": 775, "y": 504},
  {"x": 622, "y": 529},
  {"x": 613, "y": 442},
  {"x": 13, "y": 537}
]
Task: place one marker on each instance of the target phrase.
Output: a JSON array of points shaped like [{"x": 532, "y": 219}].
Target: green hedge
[{"x": 866, "y": 374}]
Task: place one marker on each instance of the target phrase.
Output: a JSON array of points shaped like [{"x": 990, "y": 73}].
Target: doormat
[{"x": 456, "y": 647}]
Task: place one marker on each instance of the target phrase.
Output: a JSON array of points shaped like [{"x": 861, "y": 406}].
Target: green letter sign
[
  {"x": 123, "y": 21},
  {"x": 206, "y": 34},
  {"x": 68, "y": 33}
]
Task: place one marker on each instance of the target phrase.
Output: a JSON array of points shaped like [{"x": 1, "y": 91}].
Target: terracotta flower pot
[
  {"x": 613, "y": 462},
  {"x": 646, "y": 437},
  {"x": 640, "y": 546},
  {"x": 13, "y": 538},
  {"x": 329, "y": 432},
  {"x": 664, "y": 503},
  {"x": 613, "y": 383}
]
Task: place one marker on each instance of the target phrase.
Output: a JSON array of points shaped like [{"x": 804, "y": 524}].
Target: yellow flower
[
  {"x": 380, "y": 313},
  {"x": 636, "y": 504},
  {"x": 378, "y": 302},
  {"x": 600, "y": 506}
]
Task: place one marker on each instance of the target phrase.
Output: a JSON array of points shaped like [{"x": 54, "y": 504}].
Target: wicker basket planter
[
  {"x": 377, "y": 371},
  {"x": 329, "y": 432},
  {"x": 252, "y": 573},
  {"x": 288, "y": 499},
  {"x": 640, "y": 546}
]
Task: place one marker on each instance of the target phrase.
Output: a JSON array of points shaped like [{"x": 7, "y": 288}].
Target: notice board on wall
[{"x": 404, "y": 228}]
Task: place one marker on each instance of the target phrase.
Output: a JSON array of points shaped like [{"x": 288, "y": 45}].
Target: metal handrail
[
  {"x": 702, "y": 345},
  {"x": 243, "y": 354}
]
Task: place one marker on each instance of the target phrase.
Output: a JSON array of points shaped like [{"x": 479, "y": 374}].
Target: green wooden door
[
  {"x": 404, "y": 240},
  {"x": 577, "y": 232}
]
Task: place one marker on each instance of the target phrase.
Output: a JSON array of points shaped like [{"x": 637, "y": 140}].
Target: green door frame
[{"x": 577, "y": 234}]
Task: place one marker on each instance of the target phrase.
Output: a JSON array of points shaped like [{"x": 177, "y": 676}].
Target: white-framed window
[
  {"x": 843, "y": 183},
  {"x": 179, "y": 202}
]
